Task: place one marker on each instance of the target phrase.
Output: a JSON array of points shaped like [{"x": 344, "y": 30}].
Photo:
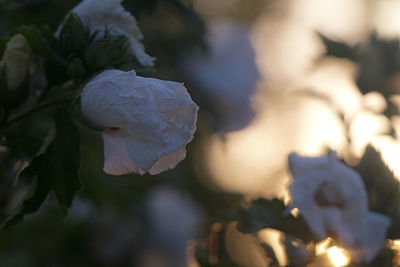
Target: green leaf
[
  {"x": 76, "y": 70},
  {"x": 3, "y": 44},
  {"x": 141, "y": 6},
  {"x": 221, "y": 260},
  {"x": 264, "y": 213},
  {"x": 110, "y": 51},
  {"x": 36, "y": 40},
  {"x": 10, "y": 99},
  {"x": 382, "y": 187},
  {"x": 338, "y": 49},
  {"x": 270, "y": 254},
  {"x": 379, "y": 66},
  {"x": 74, "y": 35},
  {"x": 56, "y": 170},
  {"x": 31, "y": 136}
]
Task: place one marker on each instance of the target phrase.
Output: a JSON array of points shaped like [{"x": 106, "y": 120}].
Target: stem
[{"x": 26, "y": 113}]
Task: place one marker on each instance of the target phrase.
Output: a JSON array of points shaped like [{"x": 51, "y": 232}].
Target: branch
[{"x": 26, "y": 113}]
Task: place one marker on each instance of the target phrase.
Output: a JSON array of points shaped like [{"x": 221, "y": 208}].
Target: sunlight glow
[
  {"x": 338, "y": 256},
  {"x": 322, "y": 246},
  {"x": 395, "y": 245}
]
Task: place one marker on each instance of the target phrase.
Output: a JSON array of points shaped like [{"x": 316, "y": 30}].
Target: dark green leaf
[
  {"x": 141, "y": 6},
  {"x": 76, "y": 69},
  {"x": 12, "y": 98},
  {"x": 203, "y": 259},
  {"x": 74, "y": 35},
  {"x": 382, "y": 187},
  {"x": 56, "y": 170},
  {"x": 379, "y": 64},
  {"x": 31, "y": 136},
  {"x": 3, "y": 44},
  {"x": 338, "y": 49},
  {"x": 36, "y": 40},
  {"x": 110, "y": 51},
  {"x": 264, "y": 213},
  {"x": 270, "y": 254}
]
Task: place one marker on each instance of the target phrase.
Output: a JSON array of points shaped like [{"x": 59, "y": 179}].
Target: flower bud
[{"x": 18, "y": 61}]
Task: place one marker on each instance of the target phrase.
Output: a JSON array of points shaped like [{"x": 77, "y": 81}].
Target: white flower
[
  {"x": 99, "y": 14},
  {"x": 227, "y": 74},
  {"x": 173, "y": 220},
  {"x": 148, "y": 121},
  {"x": 174, "y": 217},
  {"x": 332, "y": 199}
]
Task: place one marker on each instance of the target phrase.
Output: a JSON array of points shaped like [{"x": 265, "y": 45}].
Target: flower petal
[
  {"x": 373, "y": 237},
  {"x": 299, "y": 164},
  {"x": 303, "y": 190},
  {"x": 124, "y": 154},
  {"x": 116, "y": 156},
  {"x": 167, "y": 162},
  {"x": 111, "y": 14},
  {"x": 151, "y": 120}
]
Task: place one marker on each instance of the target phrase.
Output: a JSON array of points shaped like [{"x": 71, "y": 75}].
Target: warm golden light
[
  {"x": 395, "y": 245},
  {"x": 338, "y": 256},
  {"x": 322, "y": 247}
]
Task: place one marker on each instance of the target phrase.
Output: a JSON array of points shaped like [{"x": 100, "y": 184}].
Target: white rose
[
  {"x": 99, "y": 14},
  {"x": 148, "y": 121},
  {"x": 332, "y": 199}
]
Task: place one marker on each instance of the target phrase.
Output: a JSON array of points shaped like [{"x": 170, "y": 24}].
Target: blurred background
[{"x": 271, "y": 77}]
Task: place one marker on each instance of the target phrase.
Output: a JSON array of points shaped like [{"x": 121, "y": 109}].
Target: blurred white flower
[
  {"x": 174, "y": 219},
  {"x": 99, "y": 14},
  {"x": 332, "y": 199},
  {"x": 18, "y": 61},
  {"x": 227, "y": 73},
  {"x": 148, "y": 121}
]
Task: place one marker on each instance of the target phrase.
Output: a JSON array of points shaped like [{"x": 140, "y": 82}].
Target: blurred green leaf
[
  {"x": 270, "y": 254},
  {"x": 338, "y": 49},
  {"x": 137, "y": 7},
  {"x": 174, "y": 27},
  {"x": 203, "y": 259},
  {"x": 10, "y": 99},
  {"x": 109, "y": 51},
  {"x": 56, "y": 170},
  {"x": 44, "y": 44},
  {"x": 382, "y": 187},
  {"x": 378, "y": 59},
  {"x": 264, "y": 213},
  {"x": 379, "y": 62},
  {"x": 30, "y": 136},
  {"x": 36, "y": 40},
  {"x": 74, "y": 35},
  {"x": 3, "y": 44},
  {"x": 76, "y": 70}
]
